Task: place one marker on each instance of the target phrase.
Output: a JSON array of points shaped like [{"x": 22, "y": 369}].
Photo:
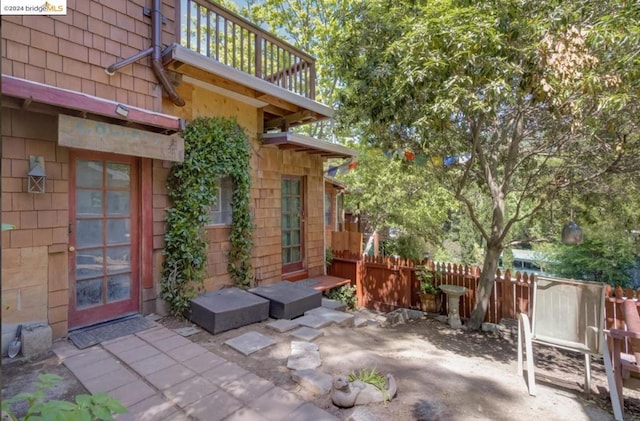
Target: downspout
[{"x": 155, "y": 52}]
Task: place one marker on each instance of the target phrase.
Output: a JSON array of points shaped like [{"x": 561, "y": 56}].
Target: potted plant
[{"x": 430, "y": 294}]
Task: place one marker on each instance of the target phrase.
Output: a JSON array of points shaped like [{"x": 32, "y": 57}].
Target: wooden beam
[
  {"x": 287, "y": 120},
  {"x": 51, "y": 95},
  {"x": 279, "y": 103},
  {"x": 104, "y": 137}
]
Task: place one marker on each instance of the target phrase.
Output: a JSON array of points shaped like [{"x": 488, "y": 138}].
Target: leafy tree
[
  {"x": 308, "y": 25},
  {"x": 606, "y": 255},
  {"x": 542, "y": 94},
  {"x": 396, "y": 193}
]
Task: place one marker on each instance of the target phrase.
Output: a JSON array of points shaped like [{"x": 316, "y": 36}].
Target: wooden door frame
[
  {"x": 297, "y": 267},
  {"x": 77, "y": 319}
]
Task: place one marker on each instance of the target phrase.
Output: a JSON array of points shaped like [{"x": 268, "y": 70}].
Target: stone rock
[
  {"x": 361, "y": 413},
  {"x": 304, "y": 356},
  {"x": 490, "y": 327},
  {"x": 36, "y": 339},
  {"x": 314, "y": 381},
  {"x": 307, "y": 333},
  {"x": 333, "y": 304},
  {"x": 346, "y": 394},
  {"x": 360, "y": 321}
]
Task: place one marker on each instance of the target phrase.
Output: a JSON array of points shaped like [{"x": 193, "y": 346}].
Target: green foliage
[
  {"x": 214, "y": 147},
  {"x": 406, "y": 246},
  {"x": 346, "y": 294},
  {"x": 425, "y": 277},
  {"x": 86, "y": 407},
  {"x": 328, "y": 256},
  {"x": 544, "y": 95},
  {"x": 392, "y": 192},
  {"x": 372, "y": 377},
  {"x": 605, "y": 255}
]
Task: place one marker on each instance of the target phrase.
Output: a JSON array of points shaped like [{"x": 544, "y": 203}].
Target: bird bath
[{"x": 453, "y": 295}]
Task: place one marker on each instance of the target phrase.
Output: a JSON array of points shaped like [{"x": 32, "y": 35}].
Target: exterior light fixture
[
  {"x": 36, "y": 175},
  {"x": 572, "y": 233}
]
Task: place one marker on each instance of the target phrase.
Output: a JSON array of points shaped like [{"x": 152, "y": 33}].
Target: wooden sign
[{"x": 104, "y": 137}]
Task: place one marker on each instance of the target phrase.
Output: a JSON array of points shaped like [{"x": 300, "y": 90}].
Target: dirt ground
[{"x": 442, "y": 374}]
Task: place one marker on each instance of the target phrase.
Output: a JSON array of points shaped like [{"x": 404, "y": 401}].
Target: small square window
[{"x": 220, "y": 212}]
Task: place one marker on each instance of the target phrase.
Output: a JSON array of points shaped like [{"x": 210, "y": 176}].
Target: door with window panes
[
  {"x": 293, "y": 213},
  {"x": 103, "y": 236}
]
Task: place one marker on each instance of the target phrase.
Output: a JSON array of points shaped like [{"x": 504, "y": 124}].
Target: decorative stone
[
  {"x": 187, "y": 331},
  {"x": 250, "y": 342},
  {"x": 307, "y": 333},
  {"x": 332, "y": 316},
  {"x": 346, "y": 394},
  {"x": 333, "y": 304},
  {"x": 314, "y": 381},
  {"x": 490, "y": 327},
  {"x": 282, "y": 325},
  {"x": 359, "y": 321},
  {"x": 304, "y": 356},
  {"x": 36, "y": 339}
]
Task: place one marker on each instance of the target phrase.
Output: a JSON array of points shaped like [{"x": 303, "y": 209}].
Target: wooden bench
[{"x": 325, "y": 282}]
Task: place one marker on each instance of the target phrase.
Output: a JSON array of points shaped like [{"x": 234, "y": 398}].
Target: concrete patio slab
[
  {"x": 96, "y": 369},
  {"x": 276, "y": 404},
  {"x": 110, "y": 381},
  {"x": 132, "y": 393},
  {"x": 306, "y": 333},
  {"x": 247, "y": 387},
  {"x": 167, "y": 377},
  {"x": 152, "y": 364},
  {"x": 189, "y": 391},
  {"x": 137, "y": 354},
  {"x": 87, "y": 357},
  {"x": 333, "y": 304},
  {"x": 215, "y": 407},
  {"x": 155, "y": 334},
  {"x": 124, "y": 343},
  {"x": 245, "y": 414},
  {"x": 308, "y": 411},
  {"x": 187, "y": 331},
  {"x": 250, "y": 342},
  {"x": 186, "y": 352},
  {"x": 314, "y": 321},
  {"x": 203, "y": 362},
  {"x": 224, "y": 373},
  {"x": 282, "y": 325},
  {"x": 171, "y": 342},
  {"x": 153, "y": 408},
  {"x": 338, "y": 317}
]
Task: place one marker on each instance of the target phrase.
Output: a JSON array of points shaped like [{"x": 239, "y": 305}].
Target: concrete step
[{"x": 288, "y": 300}]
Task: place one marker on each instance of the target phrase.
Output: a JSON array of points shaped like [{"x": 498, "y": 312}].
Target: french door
[
  {"x": 293, "y": 213},
  {"x": 103, "y": 238}
]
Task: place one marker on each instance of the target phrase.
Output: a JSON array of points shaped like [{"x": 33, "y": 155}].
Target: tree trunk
[{"x": 485, "y": 286}]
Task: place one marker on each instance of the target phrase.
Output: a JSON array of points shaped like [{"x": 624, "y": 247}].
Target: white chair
[{"x": 567, "y": 314}]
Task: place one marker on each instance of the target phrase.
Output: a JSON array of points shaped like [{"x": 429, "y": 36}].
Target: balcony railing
[{"x": 227, "y": 38}]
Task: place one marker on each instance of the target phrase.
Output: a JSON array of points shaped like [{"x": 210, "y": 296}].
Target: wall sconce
[{"x": 36, "y": 174}]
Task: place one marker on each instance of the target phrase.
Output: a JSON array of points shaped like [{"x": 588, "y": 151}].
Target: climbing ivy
[{"x": 214, "y": 147}]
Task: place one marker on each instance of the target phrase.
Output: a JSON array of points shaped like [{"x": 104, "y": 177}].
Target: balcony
[{"x": 233, "y": 56}]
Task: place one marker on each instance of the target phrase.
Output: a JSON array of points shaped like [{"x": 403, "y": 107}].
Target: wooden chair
[{"x": 625, "y": 363}]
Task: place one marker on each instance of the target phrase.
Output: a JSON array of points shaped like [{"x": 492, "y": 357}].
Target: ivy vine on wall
[{"x": 214, "y": 147}]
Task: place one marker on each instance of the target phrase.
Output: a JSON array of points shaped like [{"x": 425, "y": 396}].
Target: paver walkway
[{"x": 160, "y": 375}]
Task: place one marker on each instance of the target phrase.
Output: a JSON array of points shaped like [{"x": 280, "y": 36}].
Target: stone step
[
  {"x": 288, "y": 300},
  {"x": 333, "y": 304},
  {"x": 226, "y": 309},
  {"x": 332, "y": 316}
]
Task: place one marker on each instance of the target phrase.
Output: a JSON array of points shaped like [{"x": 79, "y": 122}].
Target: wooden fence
[{"x": 385, "y": 283}]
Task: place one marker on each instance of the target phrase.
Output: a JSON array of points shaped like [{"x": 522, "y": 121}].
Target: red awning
[{"x": 37, "y": 93}]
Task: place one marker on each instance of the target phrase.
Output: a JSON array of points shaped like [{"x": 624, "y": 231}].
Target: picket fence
[{"x": 386, "y": 283}]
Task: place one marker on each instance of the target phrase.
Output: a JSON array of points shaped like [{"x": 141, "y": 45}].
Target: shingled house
[{"x": 93, "y": 104}]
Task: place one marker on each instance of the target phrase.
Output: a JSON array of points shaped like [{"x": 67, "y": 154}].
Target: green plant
[
  {"x": 214, "y": 147},
  {"x": 328, "y": 257},
  {"x": 425, "y": 277},
  {"x": 372, "y": 377},
  {"x": 86, "y": 407},
  {"x": 345, "y": 294}
]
